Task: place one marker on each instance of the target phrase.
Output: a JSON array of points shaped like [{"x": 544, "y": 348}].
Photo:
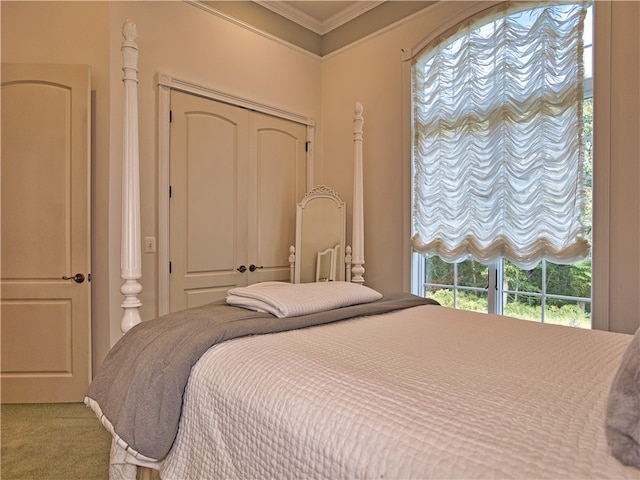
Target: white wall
[
  {"x": 191, "y": 44},
  {"x": 174, "y": 37},
  {"x": 372, "y": 72},
  {"x": 180, "y": 39},
  {"x": 75, "y": 33},
  {"x": 624, "y": 130}
]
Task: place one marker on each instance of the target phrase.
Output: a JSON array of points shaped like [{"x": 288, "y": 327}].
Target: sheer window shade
[{"x": 498, "y": 151}]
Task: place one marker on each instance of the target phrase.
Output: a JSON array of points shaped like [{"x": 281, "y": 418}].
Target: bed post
[
  {"x": 130, "y": 255},
  {"x": 357, "y": 259},
  {"x": 292, "y": 264}
]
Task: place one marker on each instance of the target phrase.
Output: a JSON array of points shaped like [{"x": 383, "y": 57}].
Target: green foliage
[
  {"x": 566, "y": 280},
  {"x": 569, "y": 314}
]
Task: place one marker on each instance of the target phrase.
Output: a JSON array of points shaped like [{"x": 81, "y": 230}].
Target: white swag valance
[{"x": 498, "y": 150}]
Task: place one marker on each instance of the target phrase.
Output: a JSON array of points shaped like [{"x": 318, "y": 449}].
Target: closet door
[
  {"x": 236, "y": 177},
  {"x": 277, "y": 179},
  {"x": 208, "y": 205}
]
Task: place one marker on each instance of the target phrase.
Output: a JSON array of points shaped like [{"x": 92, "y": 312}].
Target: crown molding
[{"x": 292, "y": 13}]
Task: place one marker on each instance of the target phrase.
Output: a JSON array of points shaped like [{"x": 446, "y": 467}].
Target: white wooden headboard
[{"x": 131, "y": 245}]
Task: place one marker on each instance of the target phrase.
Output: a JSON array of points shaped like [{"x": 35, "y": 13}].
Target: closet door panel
[
  {"x": 277, "y": 147},
  {"x": 208, "y": 206}
]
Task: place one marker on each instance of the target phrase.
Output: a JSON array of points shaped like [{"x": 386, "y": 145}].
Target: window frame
[{"x": 598, "y": 86}]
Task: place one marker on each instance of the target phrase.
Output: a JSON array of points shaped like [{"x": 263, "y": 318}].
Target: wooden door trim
[{"x": 165, "y": 84}]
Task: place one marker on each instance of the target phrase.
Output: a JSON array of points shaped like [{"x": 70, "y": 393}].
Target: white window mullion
[
  {"x": 494, "y": 288},
  {"x": 543, "y": 291},
  {"x": 418, "y": 275},
  {"x": 455, "y": 285}
]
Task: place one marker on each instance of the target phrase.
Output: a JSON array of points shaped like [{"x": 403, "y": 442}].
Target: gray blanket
[
  {"x": 623, "y": 408},
  {"x": 140, "y": 385}
]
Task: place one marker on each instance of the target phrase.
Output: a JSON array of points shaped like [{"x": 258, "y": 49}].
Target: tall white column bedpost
[
  {"x": 357, "y": 256},
  {"x": 130, "y": 255}
]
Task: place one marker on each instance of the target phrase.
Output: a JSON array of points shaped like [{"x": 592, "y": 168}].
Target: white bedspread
[{"x": 426, "y": 392}]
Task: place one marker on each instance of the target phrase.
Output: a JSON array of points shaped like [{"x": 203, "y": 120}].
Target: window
[{"x": 462, "y": 95}]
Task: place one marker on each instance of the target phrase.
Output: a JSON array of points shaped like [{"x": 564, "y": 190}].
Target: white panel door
[
  {"x": 45, "y": 233},
  {"x": 236, "y": 177},
  {"x": 208, "y": 205},
  {"x": 277, "y": 180}
]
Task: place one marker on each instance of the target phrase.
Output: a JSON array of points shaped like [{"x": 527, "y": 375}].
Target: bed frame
[
  {"x": 131, "y": 245},
  {"x": 121, "y": 465}
]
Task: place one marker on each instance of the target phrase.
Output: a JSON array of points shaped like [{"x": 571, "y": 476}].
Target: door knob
[
  {"x": 253, "y": 268},
  {"x": 242, "y": 269},
  {"x": 78, "y": 278}
]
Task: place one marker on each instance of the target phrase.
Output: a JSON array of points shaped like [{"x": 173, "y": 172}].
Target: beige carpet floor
[{"x": 52, "y": 442}]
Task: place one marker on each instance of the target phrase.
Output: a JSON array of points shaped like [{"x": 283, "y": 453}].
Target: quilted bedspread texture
[{"x": 420, "y": 393}]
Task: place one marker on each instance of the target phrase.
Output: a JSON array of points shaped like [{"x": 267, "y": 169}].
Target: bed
[{"x": 338, "y": 380}]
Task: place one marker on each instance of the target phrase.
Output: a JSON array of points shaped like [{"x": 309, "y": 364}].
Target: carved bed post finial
[
  {"x": 130, "y": 255},
  {"x": 357, "y": 263}
]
